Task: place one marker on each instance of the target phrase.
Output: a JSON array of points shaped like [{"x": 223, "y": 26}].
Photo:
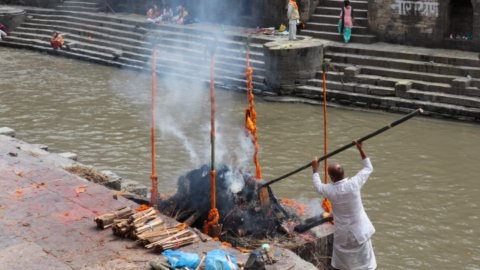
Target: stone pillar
[
  {"x": 11, "y": 17},
  {"x": 290, "y": 62}
]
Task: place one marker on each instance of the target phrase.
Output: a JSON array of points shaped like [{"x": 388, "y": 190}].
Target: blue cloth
[
  {"x": 217, "y": 260},
  {"x": 182, "y": 259}
]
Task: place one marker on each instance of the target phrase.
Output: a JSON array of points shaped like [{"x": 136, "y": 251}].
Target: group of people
[
  {"x": 153, "y": 15},
  {"x": 345, "y": 24}
]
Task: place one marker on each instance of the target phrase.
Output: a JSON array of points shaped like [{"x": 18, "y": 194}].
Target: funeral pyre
[{"x": 247, "y": 216}]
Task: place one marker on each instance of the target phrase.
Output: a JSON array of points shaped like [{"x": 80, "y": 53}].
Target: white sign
[{"x": 423, "y": 8}]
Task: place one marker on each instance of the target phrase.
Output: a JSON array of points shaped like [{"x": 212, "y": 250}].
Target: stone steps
[
  {"x": 333, "y": 19},
  {"x": 103, "y": 41},
  {"x": 132, "y": 31},
  {"x": 176, "y": 44},
  {"x": 339, "y": 4},
  {"x": 80, "y": 4},
  {"x": 360, "y": 13},
  {"x": 335, "y": 36},
  {"x": 169, "y": 27},
  {"x": 399, "y": 73},
  {"x": 78, "y": 8},
  {"x": 392, "y": 103},
  {"x": 333, "y": 28},
  {"x": 410, "y": 65},
  {"x": 323, "y": 23},
  {"x": 401, "y": 53}
]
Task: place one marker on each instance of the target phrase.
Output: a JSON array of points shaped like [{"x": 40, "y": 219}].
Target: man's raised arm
[
  {"x": 317, "y": 183},
  {"x": 362, "y": 175}
]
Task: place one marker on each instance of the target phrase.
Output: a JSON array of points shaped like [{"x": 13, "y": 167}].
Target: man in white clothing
[
  {"x": 293, "y": 19},
  {"x": 352, "y": 247},
  {"x": 168, "y": 13},
  {"x": 152, "y": 16}
]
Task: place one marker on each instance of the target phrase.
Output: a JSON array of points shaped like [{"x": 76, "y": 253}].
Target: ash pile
[
  {"x": 237, "y": 201},
  {"x": 247, "y": 220}
]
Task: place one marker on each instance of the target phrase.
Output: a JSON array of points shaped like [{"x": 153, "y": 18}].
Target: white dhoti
[
  {"x": 292, "y": 31},
  {"x": 2, "y": 34},
  {"x": 354, "y": 255},
  {"x": 153, "y": 20}
]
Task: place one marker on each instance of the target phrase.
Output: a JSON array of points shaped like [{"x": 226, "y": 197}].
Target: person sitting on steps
[
  {"x": 168, "y": 13},
  {"x": 152, "y": 15},
  {"x": 56, "y": 41}
]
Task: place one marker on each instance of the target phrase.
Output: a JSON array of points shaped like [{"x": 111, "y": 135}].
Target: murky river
[{"x": 423, "y": 197}]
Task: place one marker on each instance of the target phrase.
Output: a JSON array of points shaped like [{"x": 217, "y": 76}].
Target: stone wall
[
  {"x": 249, "y": 13},
  {"x": 35, "y": 3},
  {"x": 426, "y": 23}
]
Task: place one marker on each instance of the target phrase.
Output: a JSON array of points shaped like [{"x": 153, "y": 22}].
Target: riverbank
[
  {"x": 445, "y": 83},
  {"x": 46, "y": 224}
]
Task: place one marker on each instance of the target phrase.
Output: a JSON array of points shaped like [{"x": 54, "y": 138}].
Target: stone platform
[
  {"x": 11, "y": 17},
  {"x": 49, "y": 227}
]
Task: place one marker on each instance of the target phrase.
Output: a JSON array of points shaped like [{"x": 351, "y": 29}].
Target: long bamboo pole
[
  {"x": 212, "y": 132},
  {"x": 345, "y": 147},
  {"x": 153, "y": 196},
  {"x": 325, "y": 120}
]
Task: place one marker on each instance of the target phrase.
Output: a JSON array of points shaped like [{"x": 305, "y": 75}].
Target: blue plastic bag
[
  {"x": 182, "y": 259},
  {"x": 219, "y": 260}
]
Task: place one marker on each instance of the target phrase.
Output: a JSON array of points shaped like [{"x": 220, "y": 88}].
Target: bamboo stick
[
  {"x": 203, "y": 259},
  {"x": 339, "y": 150}
]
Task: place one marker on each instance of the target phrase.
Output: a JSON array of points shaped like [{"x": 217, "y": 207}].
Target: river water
[{"x": 423, "y": 197}]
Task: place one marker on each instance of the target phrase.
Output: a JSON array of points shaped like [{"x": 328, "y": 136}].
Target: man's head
[
  {"x": 154, "y": 7},
  {"x": 167, "y": 7},
  {"x": 336, "y": 172}
]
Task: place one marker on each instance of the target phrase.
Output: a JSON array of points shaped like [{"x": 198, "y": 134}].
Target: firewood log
[{"x": 106, "y": 220}]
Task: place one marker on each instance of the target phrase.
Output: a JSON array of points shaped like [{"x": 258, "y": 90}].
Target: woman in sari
[
  {"x": 56, "y": 41},
  {"x": 347, "y": 19}
]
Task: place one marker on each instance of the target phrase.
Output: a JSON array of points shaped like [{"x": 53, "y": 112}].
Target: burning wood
[
  {"x": 238, "y": 203},
  {"x": 106, "y": 220}
]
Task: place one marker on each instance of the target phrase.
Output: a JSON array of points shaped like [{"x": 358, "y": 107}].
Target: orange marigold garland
[
  {"x": 213, "y": 216},
  {"x": 250, "y": 118}
]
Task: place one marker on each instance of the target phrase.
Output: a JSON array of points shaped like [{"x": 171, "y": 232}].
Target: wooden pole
[
  {"x": 212, "y": 131},
  {"x": 345, "y": 147},
  {"x": 325, "y": 119},
  {"x": 153, "y": 196}
]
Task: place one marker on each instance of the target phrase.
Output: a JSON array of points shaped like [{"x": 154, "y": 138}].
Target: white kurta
[{"x": 353, "y": 228}]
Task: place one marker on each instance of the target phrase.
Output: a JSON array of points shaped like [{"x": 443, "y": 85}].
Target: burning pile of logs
[{"x": 147, "y": 228}]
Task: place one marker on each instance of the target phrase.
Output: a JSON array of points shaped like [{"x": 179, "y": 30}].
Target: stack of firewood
[
  {"x": 152, "y": 237},
  {"x": 181, "y": 238},
  {"x": 146, "y": 227},
  {"x": 138, "y": 223},
  {"x": 107, "y": 220}
]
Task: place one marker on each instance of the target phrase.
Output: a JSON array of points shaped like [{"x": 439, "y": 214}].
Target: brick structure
[{"x": 426, "y": 23}]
